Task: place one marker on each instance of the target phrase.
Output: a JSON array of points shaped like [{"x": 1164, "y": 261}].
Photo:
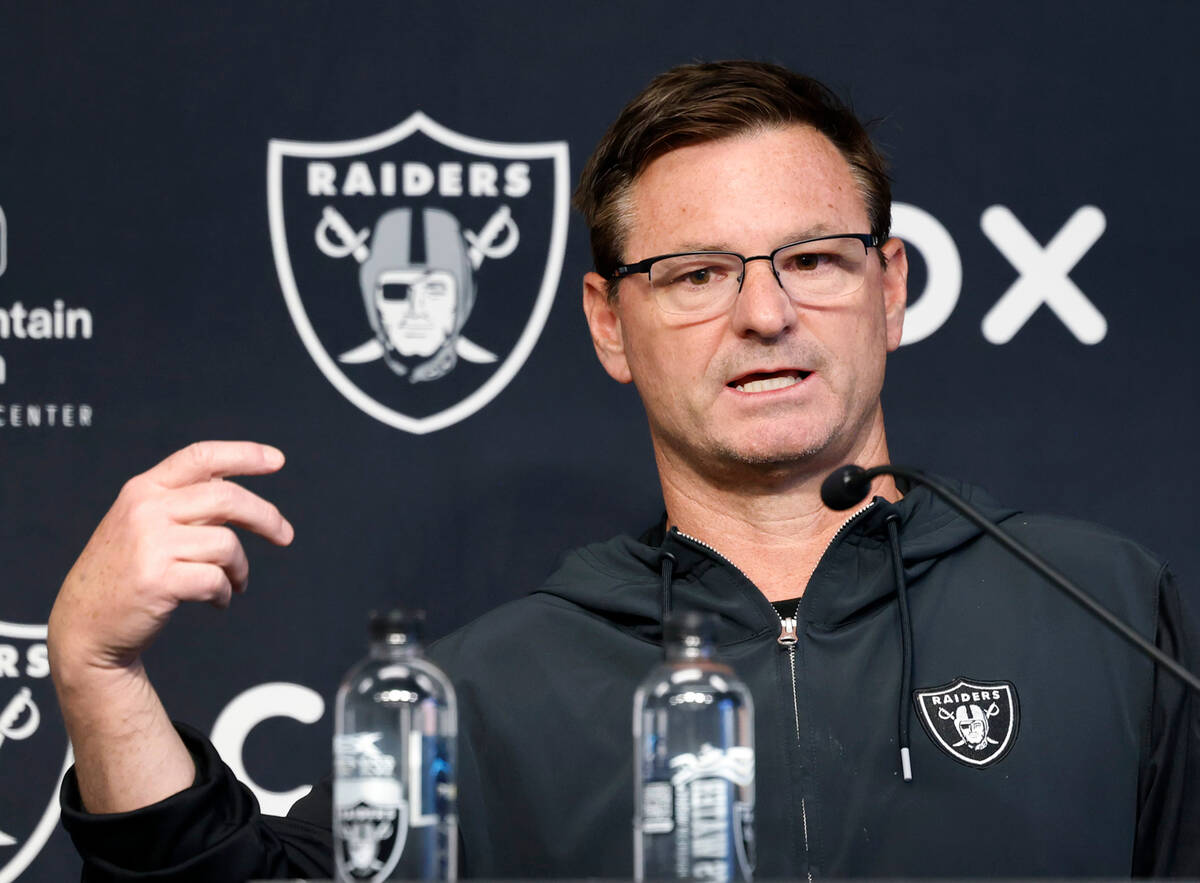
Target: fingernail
[{"x": 274, "y": 456}]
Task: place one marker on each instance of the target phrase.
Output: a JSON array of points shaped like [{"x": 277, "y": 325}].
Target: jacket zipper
[{"x": 787, "y": 638}]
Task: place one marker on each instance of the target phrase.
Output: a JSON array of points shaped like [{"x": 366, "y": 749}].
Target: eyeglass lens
[{"x": 814, "y": 271}]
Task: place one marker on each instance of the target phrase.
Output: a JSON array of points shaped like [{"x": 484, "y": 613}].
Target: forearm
[
  {"x": 127, "y": 753},
  {"x": 210, "y": 831}
]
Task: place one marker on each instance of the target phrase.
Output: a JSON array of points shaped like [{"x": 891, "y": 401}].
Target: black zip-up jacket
[{"x": 1089, "y": 766}]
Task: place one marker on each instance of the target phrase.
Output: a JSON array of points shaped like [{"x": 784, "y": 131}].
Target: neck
[{"x": 767, "y": 519}]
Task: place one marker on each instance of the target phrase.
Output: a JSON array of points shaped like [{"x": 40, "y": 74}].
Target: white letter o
[{"x": 943, "y": 270}]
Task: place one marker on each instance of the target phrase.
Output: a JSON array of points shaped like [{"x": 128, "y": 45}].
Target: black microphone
[
  {"x": 850, "y": 484},
  {"x": 845, "y": 486}
]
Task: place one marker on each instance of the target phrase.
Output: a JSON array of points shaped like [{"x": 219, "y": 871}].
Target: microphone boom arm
[{"x": 1040, "y": 566}]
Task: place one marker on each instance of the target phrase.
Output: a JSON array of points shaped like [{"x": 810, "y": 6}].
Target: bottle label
[
  {"x": 370, "y": 814},
  {"x": 712, "y": 826},
  {"x": 658, "y": 808}
]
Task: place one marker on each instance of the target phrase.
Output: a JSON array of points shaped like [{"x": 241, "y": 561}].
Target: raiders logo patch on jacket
[{"x": 975, "y": 722}]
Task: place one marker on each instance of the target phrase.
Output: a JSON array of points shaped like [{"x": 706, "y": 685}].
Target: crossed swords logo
[
  {"x": 9, "y": 730},
  {"x": 347, "y": 241}
]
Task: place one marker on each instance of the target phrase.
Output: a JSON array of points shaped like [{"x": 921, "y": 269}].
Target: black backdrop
[{"x": 133, "y": 185}]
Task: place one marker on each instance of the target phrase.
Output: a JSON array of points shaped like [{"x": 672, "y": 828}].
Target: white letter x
[{"x": 1043, "y": 276}]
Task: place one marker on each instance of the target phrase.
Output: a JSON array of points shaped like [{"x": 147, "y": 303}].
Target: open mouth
[{"x": 767, "y": 381}]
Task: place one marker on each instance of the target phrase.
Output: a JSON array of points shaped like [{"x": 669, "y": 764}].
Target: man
[{"x": 746, "y": 285}]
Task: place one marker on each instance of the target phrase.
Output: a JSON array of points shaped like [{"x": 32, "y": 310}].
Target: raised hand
[{"x": 167, "y": 539}]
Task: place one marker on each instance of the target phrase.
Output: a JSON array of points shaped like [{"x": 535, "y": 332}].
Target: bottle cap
[
  {"x": 398, "y": 625},
  {"x": 690, "y": 626}
]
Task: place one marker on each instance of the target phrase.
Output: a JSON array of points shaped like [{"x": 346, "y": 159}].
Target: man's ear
[
  {"x": 895, "y": 290},
  {"x": 604, "y": 321}
]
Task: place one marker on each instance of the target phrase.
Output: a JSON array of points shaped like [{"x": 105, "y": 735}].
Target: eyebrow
[{"x": 814, "y": 232}]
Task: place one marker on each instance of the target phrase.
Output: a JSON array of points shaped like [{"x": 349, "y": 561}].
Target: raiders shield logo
[
  {"x": 418, "y": 265},
  {"x": 975, "y": 722},
  {"x": 372, "y": 826},
  {"x": 34, "y": 753}
]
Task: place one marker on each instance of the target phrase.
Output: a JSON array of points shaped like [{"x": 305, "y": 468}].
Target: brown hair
[{"x": 695, "y": 103}]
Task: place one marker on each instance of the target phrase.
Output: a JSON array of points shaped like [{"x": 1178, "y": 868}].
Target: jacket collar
[{"x": 852, "y": 578}]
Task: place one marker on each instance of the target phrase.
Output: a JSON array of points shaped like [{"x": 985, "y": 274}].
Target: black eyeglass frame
[{"x": 869, "y": 240}]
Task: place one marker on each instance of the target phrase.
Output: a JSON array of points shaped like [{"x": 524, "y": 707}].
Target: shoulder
[
  {"x": 1090, "y": 553},
  {"x": 1088, "y": 545},
  {"x": 1120, "y": 573},
  {"x": 593, "y": 586},
  {"x": 510, "y": 624}
]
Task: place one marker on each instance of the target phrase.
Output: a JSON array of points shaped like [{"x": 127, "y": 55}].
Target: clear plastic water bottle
[
  {"x": 394, "y": 798},
  {"x": 693, "y": 736}
]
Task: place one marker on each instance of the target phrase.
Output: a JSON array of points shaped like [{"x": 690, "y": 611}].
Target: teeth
[{"x": 767, "y": 385}]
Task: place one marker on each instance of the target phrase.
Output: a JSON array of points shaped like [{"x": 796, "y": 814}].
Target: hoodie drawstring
[
  {"x": 666, "y": 561},
  {"x": 905, "y": 712}
]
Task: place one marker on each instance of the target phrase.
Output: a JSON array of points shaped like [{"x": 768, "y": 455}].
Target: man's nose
[{"x": 762, "y": 308}]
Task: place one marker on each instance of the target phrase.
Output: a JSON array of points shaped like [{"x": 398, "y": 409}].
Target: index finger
[{"x": 206, "y": 460}]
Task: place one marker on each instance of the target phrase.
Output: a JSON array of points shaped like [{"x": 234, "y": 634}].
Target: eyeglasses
[{"x": 706, "y": 283}]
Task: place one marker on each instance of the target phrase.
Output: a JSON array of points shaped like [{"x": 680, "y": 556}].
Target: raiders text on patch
[{"x": 975, "y": 722}]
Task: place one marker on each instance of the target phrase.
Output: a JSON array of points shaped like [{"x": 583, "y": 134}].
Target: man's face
[
  {"x": 824, "y": 364},
  {"x": 416, "y": 309}
]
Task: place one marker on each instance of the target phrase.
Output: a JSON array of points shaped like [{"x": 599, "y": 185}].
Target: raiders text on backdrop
[
  {"x": 418, "y": 179},
  {"x": 33, "y": 663}
]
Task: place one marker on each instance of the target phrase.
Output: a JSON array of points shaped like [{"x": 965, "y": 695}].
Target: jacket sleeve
[
  {"x": 1168, "y": 826},
  {"x": 210, "y": 831}
]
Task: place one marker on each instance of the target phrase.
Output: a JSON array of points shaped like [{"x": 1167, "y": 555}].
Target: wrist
[
  {"x": 75, "y": 665},
  {"x": 77, "y": 674}
]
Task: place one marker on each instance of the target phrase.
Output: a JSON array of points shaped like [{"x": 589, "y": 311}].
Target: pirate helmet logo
[
  {"x": 975, "y": 722},
  {"x": 972, "y": 726},
  {"x": 450, "y": 236},
  {"x": 372, "y": 824},
  {"x": 417, "y": 309}
]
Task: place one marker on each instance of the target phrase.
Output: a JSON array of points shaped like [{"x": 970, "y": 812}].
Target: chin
[
  {"x": 766, "y": 456},
  {"x": 778, "y": 443}
]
